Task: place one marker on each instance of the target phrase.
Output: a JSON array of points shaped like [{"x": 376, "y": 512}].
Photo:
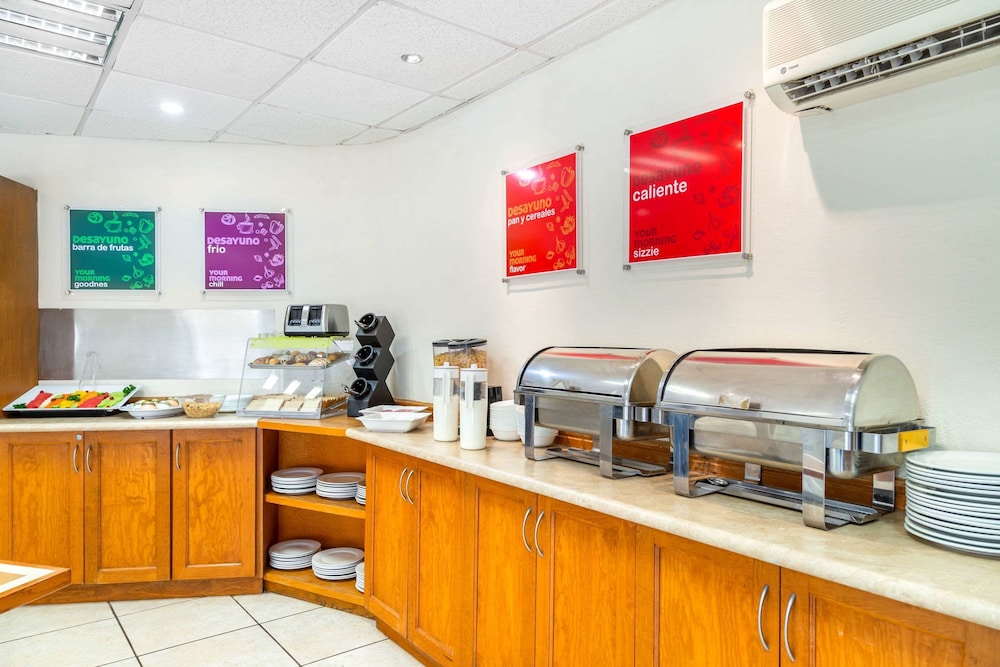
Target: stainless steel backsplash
[{"x": 166, "y": 344}]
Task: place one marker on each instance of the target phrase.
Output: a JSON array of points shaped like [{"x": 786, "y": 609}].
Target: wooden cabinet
[
  {"x": 99, "y": 503},
  {"x": 332, "y": 522},
  {"x": 127, "y": 511},
  {"x": 830, "y": 625},
  {"x": 214, "y": 503},
  {"x": 706, "y": 606},
  {"x": 41, "y": 516},
  {"x": 414, "y": 566},
  {"x": 554, "y": 583},
  {"x": 18, "y": 289},
  {"x": 698, "y": 605}
]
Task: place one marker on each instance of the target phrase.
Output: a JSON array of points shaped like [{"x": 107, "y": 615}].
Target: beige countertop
[
  {"x": 879, "y": 557},
  {"x": 120, "y": 422}
]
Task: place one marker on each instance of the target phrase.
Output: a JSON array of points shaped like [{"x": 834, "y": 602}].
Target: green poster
[{"x": 112, "y": 250}]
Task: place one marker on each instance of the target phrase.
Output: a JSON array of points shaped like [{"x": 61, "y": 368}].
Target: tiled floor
[{"x": 268, "y": 630}]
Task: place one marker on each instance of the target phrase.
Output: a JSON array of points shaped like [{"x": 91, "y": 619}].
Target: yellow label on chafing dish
[{"x": 910, "y": 440}]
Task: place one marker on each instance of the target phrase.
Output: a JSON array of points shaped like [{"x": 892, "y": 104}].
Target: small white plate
[
  {"x": 338, "y": 557},
  {"x": 296, "y": 474},
  {"x": 294, "y": 548},
  {"x": 338, "y": 478}
]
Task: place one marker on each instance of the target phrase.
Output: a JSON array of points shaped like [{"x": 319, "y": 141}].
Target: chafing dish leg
[
  {"x": 530, "y": 451},
  {"x": 884, "y": 491},
  {"x": 604, "y": 444},
  {"x": 814, "y": 479},
  {"x": 680, "y": 440}
]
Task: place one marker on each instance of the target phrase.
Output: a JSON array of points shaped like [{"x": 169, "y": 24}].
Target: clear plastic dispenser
[
  {"x": 460, "y": 352},
  {"x": 296, "y": 377},
  {"x": 473, "y": 407}
]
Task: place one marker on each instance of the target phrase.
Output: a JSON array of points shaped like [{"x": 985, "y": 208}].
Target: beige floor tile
[
  {"x": 250, "y": 647},
  {"x": 86, "y": 645},
  {"x": 266, "y": 607},
  {"x": 124, "y": 607},
  {"x": 131, "y": 662},
  {"x": 379, "y": 654},
  {"x": 184, "y": 622},
  {"x": 38, "y": 618},
  {"x": 322, "y": 633}
]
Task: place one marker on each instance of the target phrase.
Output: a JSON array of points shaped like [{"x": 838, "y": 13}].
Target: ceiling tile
[
  {"x": 516, "y": 22},
  {"x": 229, "y": 138},
  {"x": 373, "y": 44},
  {"x": 52, "y": 79},
  {"x": 165, "y": 52},
  {"x": 372, "y": 135},
  {"x": 293, "y": 127},
  {"x": 496, "y": 75},
  {"x": 141, "y": 98},
  {"x": 332, "y": 92},
  {"x": 23, "y": 113},
  {"x": 116, "y": 126},
  {"x": 594, "y": 25},
  {"x": 419, "y": 114},
  {"x": 295, "y": 28}
]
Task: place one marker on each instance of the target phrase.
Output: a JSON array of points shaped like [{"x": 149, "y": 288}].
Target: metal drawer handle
[
  {"x": 76, "y": 450},
  {"x": 406, "y": 487},
  {"x": 399, "y": 483},
  {"x": 524, "y": 522},
  {"x": 177, "y": 456},
  {"x": 538, "y": 548},
  {"x": 788, "y": 613},
  {"x": 86, "y": 460},
  {"x": 760, "y": 611}
]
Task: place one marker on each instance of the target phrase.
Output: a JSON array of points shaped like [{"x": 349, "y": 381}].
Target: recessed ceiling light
[
  {"x": 411, "y": 58},
  {"x": 171, "y": 108}
]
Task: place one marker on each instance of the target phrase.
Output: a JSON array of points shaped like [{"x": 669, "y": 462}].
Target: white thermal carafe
[
  {"x": 474, "y": 407},
  {"x": 446, "y": 403}
]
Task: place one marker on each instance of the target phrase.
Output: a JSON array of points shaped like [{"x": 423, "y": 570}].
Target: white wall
[{"x": 874, "y": 228}]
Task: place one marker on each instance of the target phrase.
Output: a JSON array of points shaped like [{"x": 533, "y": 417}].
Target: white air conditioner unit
[{"x": 821, "y": 55}]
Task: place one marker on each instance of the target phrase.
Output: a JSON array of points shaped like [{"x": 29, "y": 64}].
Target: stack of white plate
[
  {"x": 295, "y": 481},
  {"x": 337, "y": 564},
  {"x": 503, "y": 420},
  {"x": 953, "y": 499},
  {"x": 339, "y": 485},
  {"x": 292, "y": 554},
  {"x": 362, "y": 495},
  {"x": 359, "y": 571}
]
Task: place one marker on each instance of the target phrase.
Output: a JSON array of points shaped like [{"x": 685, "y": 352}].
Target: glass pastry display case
[{"x": 298, "y": 377}]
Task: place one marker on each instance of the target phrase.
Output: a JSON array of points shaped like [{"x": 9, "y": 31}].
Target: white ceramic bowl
[{"x": 504, "y": 434}]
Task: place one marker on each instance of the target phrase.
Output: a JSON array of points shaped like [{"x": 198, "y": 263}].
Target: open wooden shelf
[
  {"x": 348, "y": 507},
  {"x": 305, "y": 580}
]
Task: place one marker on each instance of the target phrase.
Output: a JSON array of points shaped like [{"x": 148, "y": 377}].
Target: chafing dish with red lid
[
  {"x": 604, "y": 392},
  {"x": 821, "y": 412}
]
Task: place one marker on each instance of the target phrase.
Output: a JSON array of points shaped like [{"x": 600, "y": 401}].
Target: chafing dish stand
[{"x": 824, "y": 413}]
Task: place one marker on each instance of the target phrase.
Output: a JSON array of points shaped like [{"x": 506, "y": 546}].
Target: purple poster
[{"x": 244, "y": 251}]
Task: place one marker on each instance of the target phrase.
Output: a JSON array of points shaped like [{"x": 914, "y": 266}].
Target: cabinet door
[
  {"x": 586, "y": 587},
  {"x": 127, "y": 514},
  {"x": 388, "y": 538},
  {"x": 699, "y": 605},
  {"x": 41, "y": 477},
  {"x": 438, "y": 578},
  {"x": 835, "y": 626},
  {"x": 214, "y": 503},
  {"x": 501, "y": 521}
]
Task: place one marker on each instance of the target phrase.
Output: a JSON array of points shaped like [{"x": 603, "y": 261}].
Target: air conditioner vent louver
[{"x": 895, "y": 61}]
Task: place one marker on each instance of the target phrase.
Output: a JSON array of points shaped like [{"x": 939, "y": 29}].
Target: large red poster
[
  {"x": 541, "y": 215},
  {"x": 686, "y": 187}
]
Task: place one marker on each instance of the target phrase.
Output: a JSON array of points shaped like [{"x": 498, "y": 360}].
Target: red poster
[
  {"x": 541, "y": 217},
  {"x": 686, "y": 187}
]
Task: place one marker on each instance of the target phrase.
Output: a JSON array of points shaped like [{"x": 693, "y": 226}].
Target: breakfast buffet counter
[
  {"x": 120, "y": 422},
  {"x": 879, "y": 557}
]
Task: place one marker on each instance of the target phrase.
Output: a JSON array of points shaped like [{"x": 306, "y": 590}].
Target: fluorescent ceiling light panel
[{"x": 71, "y": 29}]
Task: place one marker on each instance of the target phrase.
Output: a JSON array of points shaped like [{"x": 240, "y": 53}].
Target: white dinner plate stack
[
  {"x": 337, "y": 564},
  {"x": 339, "y": 485},
  {"x": 953, "y": 499},
  {"x": 292, "y": 554},
  {"x": 295, "y": 481},
  {"x": 362, "y": 495},
  {"x": 359, "y": 571}
]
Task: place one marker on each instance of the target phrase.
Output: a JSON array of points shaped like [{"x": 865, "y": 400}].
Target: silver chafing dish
[
  {"x": 604, "y": 392},
  {"x": 824, "y": 413}
]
